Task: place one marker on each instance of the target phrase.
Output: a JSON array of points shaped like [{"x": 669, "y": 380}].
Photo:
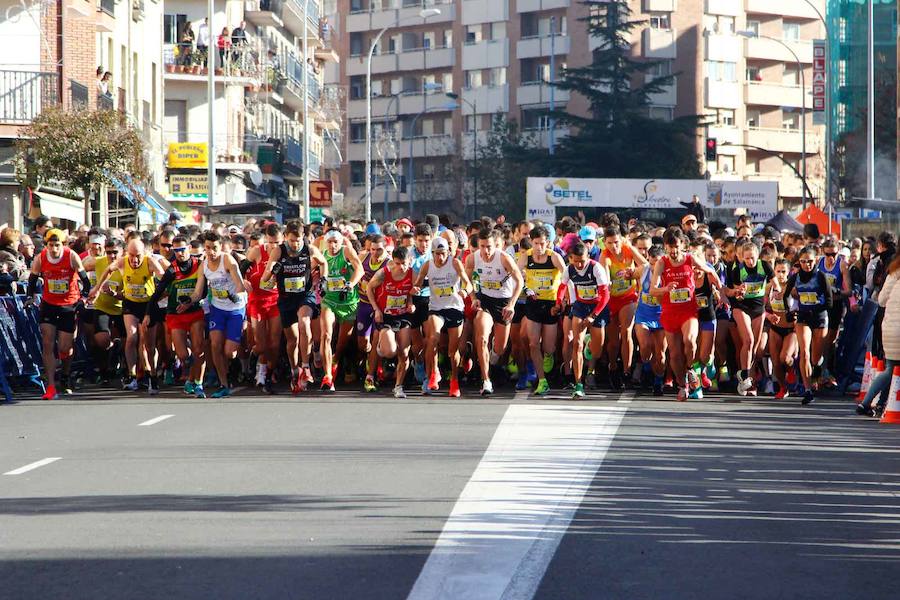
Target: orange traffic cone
[
  {"x": 892, "y": 410},
  {"x": 866, "y": 379}
]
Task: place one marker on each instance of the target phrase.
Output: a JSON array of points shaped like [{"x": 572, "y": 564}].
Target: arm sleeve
[
  {"x": 32, "y": 284},
  {"x": 85, "y": 282},
  {"x": 602, "y": 299},
  {"x": 163, "y": 285},
  {"x": 828, "y": 292},
  {"x": 788, "y": 287}
]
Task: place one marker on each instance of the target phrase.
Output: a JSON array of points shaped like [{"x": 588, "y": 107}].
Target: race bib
[
  {"x": 363, "y": 286},
  {"x": 543, "y": 283},
  {"x": 587, "y": 292},
  {"x": 294, "y": 284},
  {"x": 809, "y": 298},
  {"x": 336, "y": 284},
  {"x": 755, "y": 289},
  {"x": 620, "y": 286},
  {"x": 490, "y": 285},
  {"x": 680, "y": 296},
  {"x": 831, "y": 279},
  {"x": 778, "y": 305},
  {"x": 395, "y": 303},
  {"x": 92, "y": 277},
  {"x": 267, "y": 286},
  {"x": 443, "y": 292},
  {"x": 702, "y": 301},
  {"x": 137, "y": 291},
  {"x": 220, "y": 293},
  {"x": 649, "y": 299},
  {"x": 113, "y": 287},
  {"x": 58, "y": 286}
]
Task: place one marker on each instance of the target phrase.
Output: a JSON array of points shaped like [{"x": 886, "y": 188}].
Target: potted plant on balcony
[{"x": 170, "y": 67}]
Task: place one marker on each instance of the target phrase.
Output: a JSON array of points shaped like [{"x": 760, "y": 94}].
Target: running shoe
[
  {"x": 792, "y": 375},
  {"x": 434, "y": 381},
  {"x": 419, "y": 371},
  {"x": 532, "y": 374},
  {"x": 579, "y": 391},
  {"x": 153, "y": 387},
  {"x": 569, "y": 387},
  {"x": 865, "y": 411},
  {"x": 697, "y": 394},
  {"x": 454, "y": 388},
  {"x": 65, "y": 385},
  {"x": 808, "y": 398},
  {"x": 222, "y": 392},
  {"x": 198, "y": 392},
  {"x": 542, "y": 387},
  {"x": 591, "y": 380},
  {"x": 189, "y": 387},
  {"x": 398, "y": 392},
  {"x": 369, "y": 385},
  {"x": 50, "y": 394},
  {"x": 782, "y": 393},
  {"x": 744, "y": 386},
  {"x": 298, "y": 383},
  {"x": 327, "y": 385},
  {"x": 522, "y": 383},
  {"x": 317, "y": 359},
  {"x": 487, "y": 388},
  {"x": 131, "y": 385},
  {"x": 705, "y": 381},
  {"x": 548, "y": 363},
  {"x": 268, "y": 387},
  {"x": 426, "y": 389},
  {"x": 682, "y": 395},
  {"x": 657, "y": 386},
  {"x": 169, "y": 378},
  {"x": 693, "y": 382}
]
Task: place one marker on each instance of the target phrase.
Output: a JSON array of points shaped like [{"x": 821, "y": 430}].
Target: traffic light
[{"x": 711, "y": 149}]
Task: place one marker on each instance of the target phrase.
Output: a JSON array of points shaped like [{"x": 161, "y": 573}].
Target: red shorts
[
  {"x": 617, "y": 303},
  {"x": 468, "y": 311},
  {"x": 262, "y": 311},
  {"x": 183, "y": 321},
  {"x": 672, "y": 320}
]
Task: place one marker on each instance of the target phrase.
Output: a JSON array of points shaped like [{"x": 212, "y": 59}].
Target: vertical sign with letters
[{"x": 819, "y": 82}]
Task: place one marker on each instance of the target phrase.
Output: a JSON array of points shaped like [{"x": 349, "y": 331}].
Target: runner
[
  {"x": 783, "y": 348},
  {"x": 87, "y": 317},
  {"x": 623, "y": 262},
  {"x": 814, "y": 296},
  {"x": 837, "y": 272},
  {"x": 262, "y": 309},
  {"x": 178, "y": 283},
  {"x": 500, "y": 283},
  {"x": 339, "y": 301},
  {"x": 747, "y": 284},
  {"x": 390, "y": 292},
  {"x": 137, "y": 269},
  {"x": 60, "y": 269},
  {"x": 673, "y": 283},
  {"x": 366, "y": 333},
  {"x": 421, "y": 254},
  {"x": 543, "y": 270},
  {"x": 109, "y": 327},
  {"x": 707, "y": 301},
  {"x": 587, "y": 284},
  {"x": 449, "y": 286},
  {"x": 227, "y": 303},
  {"x": 649, "y": 332},
  {"x": 292, "y": 263}
]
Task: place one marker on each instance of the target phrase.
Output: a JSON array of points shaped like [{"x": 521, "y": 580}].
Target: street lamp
[
  {"x": 423, "y": 14},
  {"x": 828, "y": 107},
  {"x": 753, "y": 34},
  {"x": 474, "y": 107},
  {"x": 411, "y": 176}
]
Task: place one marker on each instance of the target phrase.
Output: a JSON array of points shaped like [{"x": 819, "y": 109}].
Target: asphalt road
[{"x": 355, "y": 496}]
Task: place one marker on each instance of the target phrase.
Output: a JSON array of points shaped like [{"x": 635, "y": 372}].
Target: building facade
[{"x": 496, "y": 57}]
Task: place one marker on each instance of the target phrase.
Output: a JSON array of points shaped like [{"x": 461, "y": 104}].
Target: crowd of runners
[{"x": 459, "y": 309}]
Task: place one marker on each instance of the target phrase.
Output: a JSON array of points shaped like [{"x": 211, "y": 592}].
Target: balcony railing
[
  {"x": 293, "y": 152},
  {"x": 24, "y": 94},
  {"x": 79, "y": 94},
  {"x": 105, "y": 102},
  {"x": 294, "y": 72},
  {"x": 107, "y": 6}
]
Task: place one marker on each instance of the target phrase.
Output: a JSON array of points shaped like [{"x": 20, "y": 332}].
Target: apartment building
[
  {"x": 266, "y": 93},
  {"x": 51, "y": 56},
  {"x": 496, "y": 56}
]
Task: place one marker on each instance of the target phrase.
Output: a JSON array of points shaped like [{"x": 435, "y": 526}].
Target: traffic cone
[
  {"x": 866, "y": 378},
  {"x": 892, "y": 410}
]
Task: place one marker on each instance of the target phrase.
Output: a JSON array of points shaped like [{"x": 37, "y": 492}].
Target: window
[
  {"x": 753, "y": 73},
  {"x": 790, "y": 75},
  {"x": 428, "y": 171},
  {"x": 662, "y": 113},
  {"x": 173, "y": 25},
  {"x": 751, "y": 166},
  {"x": 790, "y": 121},
  {"x": 753, "y": 25},
  {"x": 662, "y": 68},
  {"x": 725, "y": 117},
  {"x": 726, "y": 163},
  {"x": 535, "y": 118},
  {"x": 498, "y": 30},
  {"x": 660, "y": 21},
  {"x": 753, "y": 119},
  {"x": 357, "y": 173},
  {"x": 448, "y": 38},
  {"x": 428, "y": 40},
  {"x": 791, "y": 31},
  {"x": 358, "y": 132},
  {"x": 473, "y": 34},
  {"x": 721, "y": 71},
  {"x": 498, "y": 76},
  {"x": 473, "y": 79},
  {"x": 356, "y": 44},
  {"x": 357, "y": 87}
]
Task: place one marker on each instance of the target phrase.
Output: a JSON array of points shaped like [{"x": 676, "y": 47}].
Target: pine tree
[{"x": 618, "y": 138}]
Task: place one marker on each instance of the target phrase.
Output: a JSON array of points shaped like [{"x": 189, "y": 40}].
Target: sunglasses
[
  {"x": 831, "y": 254},
  {"x": 181, "y": 249},
  {"x": 165, "y": 245},
  {"x": 112, "y": 252},
  {"x": 806, "y": 261}
]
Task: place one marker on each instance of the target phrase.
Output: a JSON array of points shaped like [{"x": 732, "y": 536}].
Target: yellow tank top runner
[
  {"x": 542, "y": 278},
  {"x": 139, "y": 283}
]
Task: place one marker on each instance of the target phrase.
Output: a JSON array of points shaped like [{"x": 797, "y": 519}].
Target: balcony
[
  {"x": 725, "y": 48},
  {"x": 24, "y": 94},
  {"x": 369, "y": 20},
  {"x": 668, "y": 96},
  {"x": 538, "y": 92},
  {"x": 105, "y": 102},
  {"x": 381, "y": 63},
  {"x": 293, "y": 159},
  {"x": 264, "y": 13},
  {"x": 241, "y": 67},
  {"x": 727, "y": 137},
  {"x": 479, "y": 11},
  {"x": 533, "y": 47},
  {"x": 542, "y": 136},
  {"x": 766, "y": 49},
  {"x": 724, "y": 7},
  {"x": 524, "y": 6},
  {"x": 722, "y": 94},
  {"x": 430, "y": 145},
  {"x": 780, "y": 8},
  {"x": 487, "y": 99},
  {"x": 78, "y": 95},
  {"x": 773, "y": 94},
  {"x": 292, "y": 15},
  {"x": 105, "y": 19},
  {"x": 658, "y": 6},
  {"x": 781, "y": 140},
  {"x": 411, "y": 103},
  {"x": 658, "y": 43},
  {"x": 418, "y": 59},
  {"x": 488, "y": 54}
]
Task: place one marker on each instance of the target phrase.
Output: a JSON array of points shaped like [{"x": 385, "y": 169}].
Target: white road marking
[
  {"x": 626, "y": 398},
  {"x": 34, "y": 465},
  {"x": 155, "y": 420},
  {"x": 513, "y": 512}
]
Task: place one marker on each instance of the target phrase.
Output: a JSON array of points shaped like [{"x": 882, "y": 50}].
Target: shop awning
[{"x": 60, "y": 207}]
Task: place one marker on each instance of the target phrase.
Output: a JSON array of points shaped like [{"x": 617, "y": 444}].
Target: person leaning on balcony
[
  {"x": 223, "y": 43},
  {"x": 186, "y": 45},
  {"x": 203, "y": 38}
]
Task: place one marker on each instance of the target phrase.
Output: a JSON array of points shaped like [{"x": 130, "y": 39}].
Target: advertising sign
[
  {"x": 819, "y": 80},
  {"x": 320, "y": 194},
  {"x": 188, "y": 186},
  {"x": 187, "y": 156},
  {"x": 544, "y": 194}
]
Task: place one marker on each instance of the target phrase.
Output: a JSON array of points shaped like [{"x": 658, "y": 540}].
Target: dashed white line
[
  {"x": 34, "y": 465},
  {"x": 155, "y": 420}
]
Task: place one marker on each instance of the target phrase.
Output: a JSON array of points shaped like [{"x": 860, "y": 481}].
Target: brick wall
[{"x": 78, "y": 47}]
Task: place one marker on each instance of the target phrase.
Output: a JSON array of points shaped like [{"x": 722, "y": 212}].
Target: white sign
[{"x": 544, "y": 194}]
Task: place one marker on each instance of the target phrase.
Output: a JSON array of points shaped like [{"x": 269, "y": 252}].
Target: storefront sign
[
  {"x": 188, "y": 186},
  {"x": 187, "y": 156},
  {"x": 320, "y": 194}
]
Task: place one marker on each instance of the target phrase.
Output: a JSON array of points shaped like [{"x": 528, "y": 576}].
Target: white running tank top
[
  {"x": 494, "y": 280},
  {"x": 221, "y": 287},
  {"x": 444, "y": 283}
]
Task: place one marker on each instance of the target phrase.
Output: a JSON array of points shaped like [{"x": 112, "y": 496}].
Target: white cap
[{"x": 439, "y": 243}]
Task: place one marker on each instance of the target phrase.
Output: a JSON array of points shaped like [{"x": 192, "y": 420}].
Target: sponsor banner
[
  {"x": 188, "y": 186},
  {"x": 819, "y": 69},
  {"x": 759, "y": 198},
  {"x": 187, "y": 156},
  {"x": 320, "y": 194}
]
